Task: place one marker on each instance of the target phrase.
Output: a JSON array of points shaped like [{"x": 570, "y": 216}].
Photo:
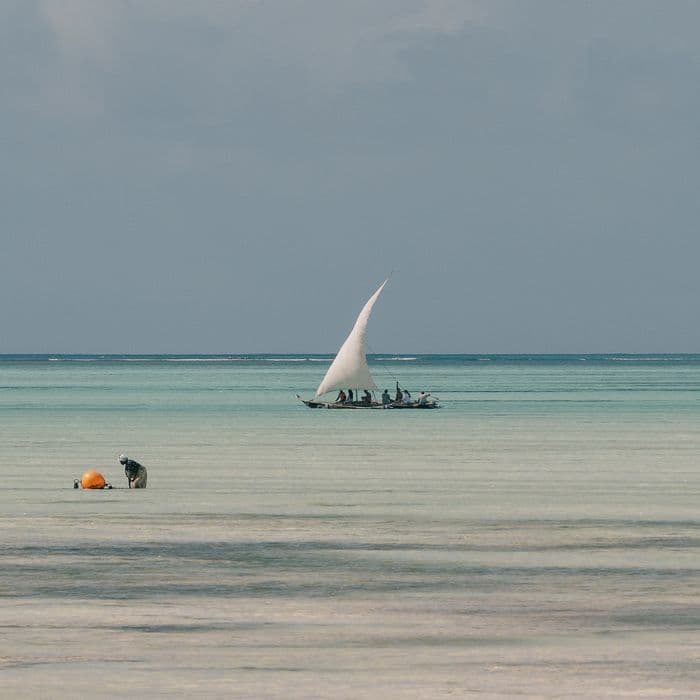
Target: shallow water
[{"x": 537, "y": 536}]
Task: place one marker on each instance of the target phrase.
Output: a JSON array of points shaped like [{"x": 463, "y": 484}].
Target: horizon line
[{"x": 333, "y": 353}]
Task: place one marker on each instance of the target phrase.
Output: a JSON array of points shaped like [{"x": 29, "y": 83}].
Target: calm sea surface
[{"x": 539, "y": 536}]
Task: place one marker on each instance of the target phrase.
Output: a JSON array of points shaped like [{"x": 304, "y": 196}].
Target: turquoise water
[{"x": 538, "y": 535}]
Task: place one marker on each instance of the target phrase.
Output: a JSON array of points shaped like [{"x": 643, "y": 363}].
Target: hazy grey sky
[{"x": 181, "y": 176}]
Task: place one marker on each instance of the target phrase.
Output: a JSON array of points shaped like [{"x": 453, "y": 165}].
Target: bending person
[{"x": 135, "y": 473}]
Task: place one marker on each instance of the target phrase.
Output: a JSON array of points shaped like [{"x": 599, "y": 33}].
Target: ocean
[{"x": 538, "y": 536}]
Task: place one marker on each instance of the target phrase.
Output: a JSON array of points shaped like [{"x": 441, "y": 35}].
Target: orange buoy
[{"x": 93, "y": 480}]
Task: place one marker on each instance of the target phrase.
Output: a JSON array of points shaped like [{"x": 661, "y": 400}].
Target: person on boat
[
  {"x": 341, "y": 398},
  {"x": 135, "y": 473},
  {"x": 351, "y": 396},
  {"x": 367, "y": 398},
  {"x": 399, "y": 394},
  {"x": 423, "y": 398},
  {"x": 406, "y": 396},
  {"x": 386, "y": 399}
]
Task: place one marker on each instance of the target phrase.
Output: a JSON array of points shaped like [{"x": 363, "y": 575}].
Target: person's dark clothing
[{"x": 136, "y": 474}]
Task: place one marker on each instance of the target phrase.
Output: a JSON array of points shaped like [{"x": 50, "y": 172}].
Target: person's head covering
[{"x": 123, "y": 459}]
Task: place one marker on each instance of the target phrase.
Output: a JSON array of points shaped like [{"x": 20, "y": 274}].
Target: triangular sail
[{"x": 349, "y": 370}]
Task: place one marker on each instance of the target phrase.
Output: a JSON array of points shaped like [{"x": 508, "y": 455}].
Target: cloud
[
  {"x": 332, "y": 43},
  {"x": 440, "y": 17},
  {"x": 253, "y": 69},
  {"x": 85, "y": 30}
]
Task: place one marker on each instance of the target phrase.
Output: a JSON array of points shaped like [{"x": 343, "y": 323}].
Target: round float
[{"x": 93, "y": 480}]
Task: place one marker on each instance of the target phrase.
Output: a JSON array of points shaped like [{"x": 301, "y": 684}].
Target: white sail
[{"x": 349, "y": 369}]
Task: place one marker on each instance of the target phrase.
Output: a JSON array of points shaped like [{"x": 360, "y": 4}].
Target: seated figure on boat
[
  {"x": 351, "y": 396},
  {"x": 341, "y": 398},
  {"x": 423, "y": 398},
  {"x": 399, "y": 394},
  {"x": 406, "y": 396},
  {"x": 367, "y": 398},
  {"x": 386, "y": 399}
]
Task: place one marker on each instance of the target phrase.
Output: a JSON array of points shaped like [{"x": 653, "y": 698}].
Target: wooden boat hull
[{"x": 312, "y": 403}]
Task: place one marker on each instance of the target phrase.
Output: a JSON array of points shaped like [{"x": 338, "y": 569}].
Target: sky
[{"x": 237, "y": 177}]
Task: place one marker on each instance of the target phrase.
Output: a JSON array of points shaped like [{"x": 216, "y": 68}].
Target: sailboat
[{"x": 349, "y": 371}]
